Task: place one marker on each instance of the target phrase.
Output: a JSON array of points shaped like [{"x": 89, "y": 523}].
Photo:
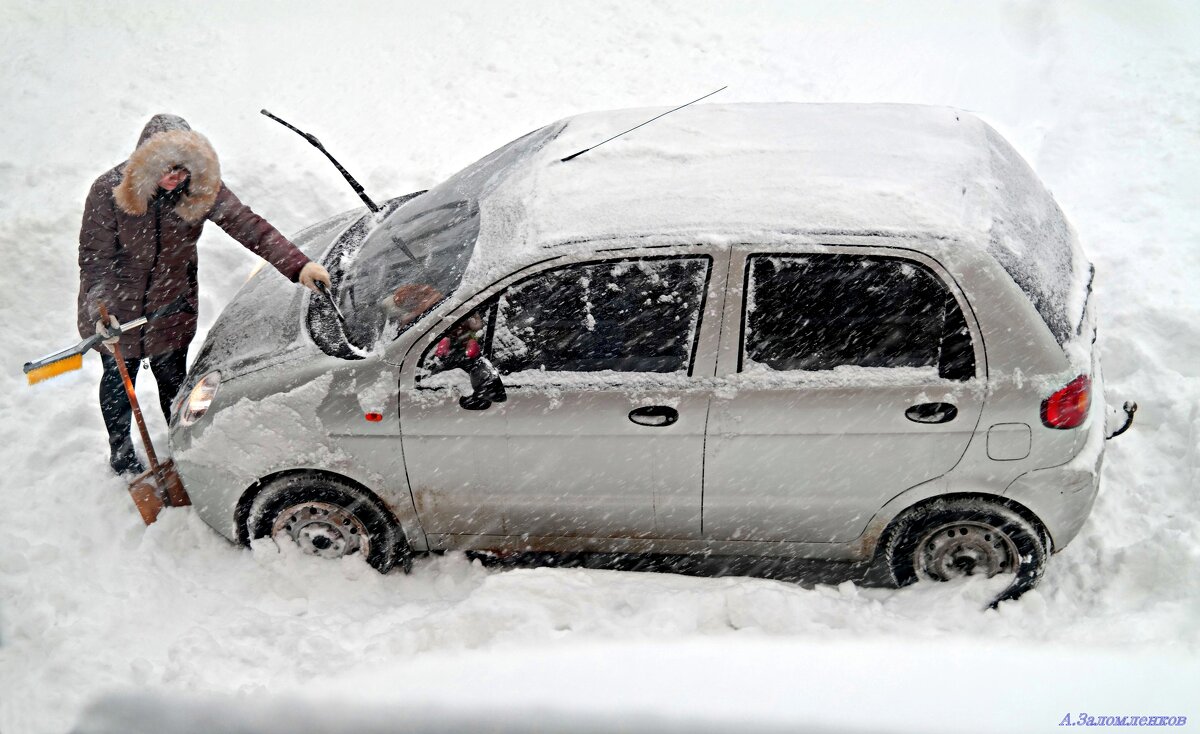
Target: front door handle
[
  {"x": 654, "y": 415},
  {"x": 931, "y": 413}
]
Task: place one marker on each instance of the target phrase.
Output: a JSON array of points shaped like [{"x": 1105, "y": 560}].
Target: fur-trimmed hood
[{"x": 168, "y": 141}]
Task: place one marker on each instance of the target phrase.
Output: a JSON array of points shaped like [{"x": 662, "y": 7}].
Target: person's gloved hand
[
  {"x": 110, "y": 332},
  {"x": 311, "y": 273}
]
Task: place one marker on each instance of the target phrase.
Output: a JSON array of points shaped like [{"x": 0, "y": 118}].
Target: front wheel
[
  {"x": 329, "y": 518},
  {"x": 954, "y": 538}
]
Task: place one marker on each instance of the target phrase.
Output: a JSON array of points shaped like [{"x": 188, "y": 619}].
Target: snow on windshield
[
  {"x": 408, "y": 264},
  {"x": 416, "y": 256}
]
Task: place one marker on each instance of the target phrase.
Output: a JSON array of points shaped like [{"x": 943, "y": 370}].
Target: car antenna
[
  {"x": 358, "y": 189},
  {"x": 635, "y": 127}
]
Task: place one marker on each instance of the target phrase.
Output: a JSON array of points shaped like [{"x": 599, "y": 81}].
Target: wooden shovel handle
[{"x": 133, "y": 402}]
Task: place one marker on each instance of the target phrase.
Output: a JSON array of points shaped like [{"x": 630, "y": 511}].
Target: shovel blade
[
  {"x": 152, "y": 493},
  {"x": 144, "y": 491},
  {"x": 173, "y": 485}
]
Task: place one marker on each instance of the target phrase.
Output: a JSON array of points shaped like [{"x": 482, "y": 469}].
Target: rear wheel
[
  {"x": 954, "y": 538},
  {"x": 329, "y": 518}
]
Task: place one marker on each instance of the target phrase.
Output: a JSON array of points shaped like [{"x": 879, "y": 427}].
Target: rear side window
[
  {"x": 820, "y": 312},
  {"x": 625, "y": 316}
]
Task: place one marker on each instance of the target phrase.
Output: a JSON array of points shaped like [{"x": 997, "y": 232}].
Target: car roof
[
  {"x": 741, "y": 172},
  {"x": 753, "y": 167}
]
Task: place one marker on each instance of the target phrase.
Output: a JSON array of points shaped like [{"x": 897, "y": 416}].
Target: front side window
[
  {"x": 622, "y": 316},
  {"x": 821, "y": 312}
]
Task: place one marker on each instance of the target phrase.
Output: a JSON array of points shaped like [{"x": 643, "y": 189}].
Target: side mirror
[{"x": 486, "y": 387}]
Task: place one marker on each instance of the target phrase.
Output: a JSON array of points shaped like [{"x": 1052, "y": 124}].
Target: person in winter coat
[{"x": 137, "y": 254}]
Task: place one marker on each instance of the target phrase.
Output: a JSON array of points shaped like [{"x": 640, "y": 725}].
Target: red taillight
[
  {"x": 1068, "y": 407},
  {"x": 374, "y": 417}
]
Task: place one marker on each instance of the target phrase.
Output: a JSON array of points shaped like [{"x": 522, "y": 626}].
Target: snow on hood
[
  {"x": 262, "y": 321},
  {"x": 283, "y": 429}
]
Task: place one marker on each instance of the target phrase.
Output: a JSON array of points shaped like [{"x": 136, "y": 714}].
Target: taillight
[{"x": 1068, "y": 407}]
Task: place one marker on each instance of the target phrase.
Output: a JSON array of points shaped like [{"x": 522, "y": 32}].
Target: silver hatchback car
[{"x": 842, "y": 332}]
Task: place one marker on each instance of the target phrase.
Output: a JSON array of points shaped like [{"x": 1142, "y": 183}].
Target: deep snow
[{"x": 1100, "y": 98}]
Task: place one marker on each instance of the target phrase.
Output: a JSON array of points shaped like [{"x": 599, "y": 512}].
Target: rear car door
[
  {"x": 852, "y": 375},
  {"x": 602, "y": 432}
]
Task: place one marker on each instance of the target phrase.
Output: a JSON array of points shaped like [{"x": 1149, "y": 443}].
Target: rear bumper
[{"x": 1062, "y": 496}]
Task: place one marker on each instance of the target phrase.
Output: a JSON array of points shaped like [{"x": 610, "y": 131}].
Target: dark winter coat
[{"x": 137, "y": 248}]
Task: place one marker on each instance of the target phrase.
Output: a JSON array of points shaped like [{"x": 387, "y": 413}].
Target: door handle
[
  {"x": 654, "y": 415},
  {"x": 931, "y": 413}
]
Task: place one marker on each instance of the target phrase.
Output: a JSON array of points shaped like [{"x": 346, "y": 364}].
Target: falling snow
[{"x": 1099, "y": 98}]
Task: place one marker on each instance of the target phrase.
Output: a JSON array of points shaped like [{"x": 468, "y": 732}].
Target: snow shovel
[{"x": 159, "y": 486}]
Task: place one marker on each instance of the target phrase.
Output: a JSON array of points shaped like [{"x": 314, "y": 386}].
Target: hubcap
[
  {"x": 962, "y": 549},
  {"x": 322, "y": 529}
]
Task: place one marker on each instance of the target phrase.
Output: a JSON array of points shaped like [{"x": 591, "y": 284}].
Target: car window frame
[
  {"x": 438, "y": 325},
  {"x": 732, "y": 350}
]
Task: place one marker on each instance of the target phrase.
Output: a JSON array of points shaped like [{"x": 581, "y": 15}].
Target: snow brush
[{"x": 71, "y": 358}]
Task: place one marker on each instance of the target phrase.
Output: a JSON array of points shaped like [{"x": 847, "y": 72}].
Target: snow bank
[{"x": 1100, "y": 99}]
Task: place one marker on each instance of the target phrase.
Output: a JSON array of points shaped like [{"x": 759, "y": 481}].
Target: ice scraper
[{"x": 332, "y": 303}]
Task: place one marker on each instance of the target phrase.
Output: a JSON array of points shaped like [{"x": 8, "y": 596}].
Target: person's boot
[{"x": 123, "y": 460}]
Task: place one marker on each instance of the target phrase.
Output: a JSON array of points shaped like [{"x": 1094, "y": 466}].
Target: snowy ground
[{"x": 1101, "y": 98}]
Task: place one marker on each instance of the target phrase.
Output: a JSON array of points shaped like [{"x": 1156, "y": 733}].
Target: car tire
[
  {"x": 951, "y": 538},
  {"x": 328, "y": 517}
]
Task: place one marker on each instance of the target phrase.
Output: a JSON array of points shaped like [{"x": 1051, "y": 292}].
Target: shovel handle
[{"x": 133, "y": 401}]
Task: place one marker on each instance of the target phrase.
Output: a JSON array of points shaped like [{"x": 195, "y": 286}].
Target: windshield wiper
[{"x": 358, "y": 189}]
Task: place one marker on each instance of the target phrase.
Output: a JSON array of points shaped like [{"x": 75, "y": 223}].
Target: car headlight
[{"x": 200, "y": 398}]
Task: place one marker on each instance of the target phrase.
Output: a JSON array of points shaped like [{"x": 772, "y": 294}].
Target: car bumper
[{"x": 1062, "y": 496}]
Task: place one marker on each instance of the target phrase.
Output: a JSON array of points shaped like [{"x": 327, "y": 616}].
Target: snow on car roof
[{"x": 752, "y": 169}]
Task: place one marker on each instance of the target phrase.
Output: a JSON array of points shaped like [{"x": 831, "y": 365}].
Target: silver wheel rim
[
  {"x": 322, "y": 529},
  {"x": 959, "y": 549}
]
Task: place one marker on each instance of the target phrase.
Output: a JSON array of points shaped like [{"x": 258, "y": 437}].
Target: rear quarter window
[{"x": 821, "y": 312}]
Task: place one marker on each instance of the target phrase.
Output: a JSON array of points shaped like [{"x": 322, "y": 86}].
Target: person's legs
[
  {"x": 117, "y": 413},
  {"x": 169, "y": 369}
]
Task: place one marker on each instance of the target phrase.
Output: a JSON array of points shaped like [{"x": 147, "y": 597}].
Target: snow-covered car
[{"x": 843, "y": 332}]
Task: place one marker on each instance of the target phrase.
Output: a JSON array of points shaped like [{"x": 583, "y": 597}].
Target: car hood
[{"x": 261, "y": 326}]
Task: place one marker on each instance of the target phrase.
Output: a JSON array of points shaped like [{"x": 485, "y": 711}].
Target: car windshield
[{"x": 416, "y": 256}]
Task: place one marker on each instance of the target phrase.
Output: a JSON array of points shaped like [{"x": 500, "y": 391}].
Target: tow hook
[{"x": 1130, "y": 408}]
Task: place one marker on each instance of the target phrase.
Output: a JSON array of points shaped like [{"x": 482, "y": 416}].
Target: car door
[
  {"x": 852, "y": 375},
  {"x": 602, "y": 432}
]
